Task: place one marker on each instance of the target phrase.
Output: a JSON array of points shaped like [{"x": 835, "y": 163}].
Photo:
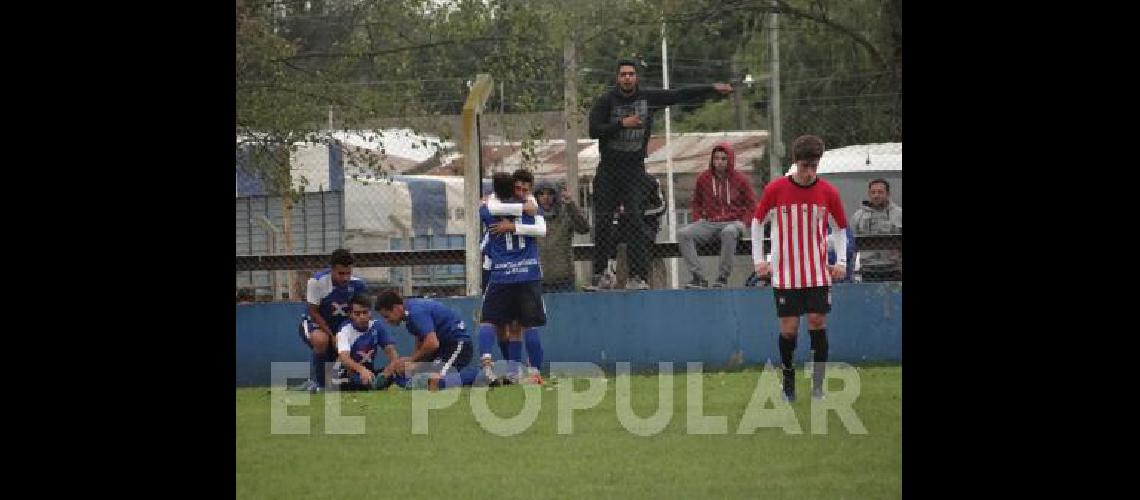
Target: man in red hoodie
[{"x": 722, "y": 205}]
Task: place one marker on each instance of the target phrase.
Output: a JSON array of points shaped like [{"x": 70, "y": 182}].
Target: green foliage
[{"x": 367, "y": 61}]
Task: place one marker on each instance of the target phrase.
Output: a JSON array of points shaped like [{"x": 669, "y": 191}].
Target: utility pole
[
  {"x": 775, "y": 140},
  {"x": 737, "y": 99},
  {"x": 570, "y": 113}
]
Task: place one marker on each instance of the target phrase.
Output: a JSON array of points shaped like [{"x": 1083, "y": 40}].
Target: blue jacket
[{"x": 850, "y": 254}]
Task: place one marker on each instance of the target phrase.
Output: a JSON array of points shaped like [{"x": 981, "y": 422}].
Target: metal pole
[
  {"x": 570, "y": 115},
  {"x": 775, "y": 142},
  {"x": 672, "y": 208}
]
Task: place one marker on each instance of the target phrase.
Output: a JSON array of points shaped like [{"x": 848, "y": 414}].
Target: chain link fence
[
  {"x": 405, "y": 220},
  {"x": 387, "y": 194},
  {"x": 631, "y": 202}
]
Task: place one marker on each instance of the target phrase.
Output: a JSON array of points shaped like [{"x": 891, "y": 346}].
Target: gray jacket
[
  {"x": 555, "y": 250},
  {"x": 886, "y": 220}
]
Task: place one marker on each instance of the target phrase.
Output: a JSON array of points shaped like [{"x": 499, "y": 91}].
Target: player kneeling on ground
[{"x": 441, "y": 337}]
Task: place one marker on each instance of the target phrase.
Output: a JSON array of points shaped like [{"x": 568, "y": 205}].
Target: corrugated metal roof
[
  {"x": 886, "y": 156},
  {"x": 405, "y": 152},
  {"x": 690, "y": 154}
]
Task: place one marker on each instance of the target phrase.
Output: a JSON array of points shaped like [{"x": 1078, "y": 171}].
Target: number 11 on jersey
[{"x": 511, "y": 239}]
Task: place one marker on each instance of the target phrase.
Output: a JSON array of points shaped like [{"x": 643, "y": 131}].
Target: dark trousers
[{"x": 625, "y": 186}]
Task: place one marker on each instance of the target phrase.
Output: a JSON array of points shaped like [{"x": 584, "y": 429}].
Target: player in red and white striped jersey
[{"x": 798, "y": 207}]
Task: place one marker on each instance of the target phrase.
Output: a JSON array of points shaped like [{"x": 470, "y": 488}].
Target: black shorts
[
  {"x": 506, "y": 302},
  {"x": 305, "y": 331},
  {"x": 799, "y": 301},
  {"x": 454, "y": 354}
]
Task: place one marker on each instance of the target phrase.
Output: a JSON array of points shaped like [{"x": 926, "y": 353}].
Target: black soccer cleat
[{"x": 789, "y": 385}]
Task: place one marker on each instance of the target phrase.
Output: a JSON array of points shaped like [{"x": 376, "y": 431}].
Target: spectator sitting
[
  {"x": 244, "y": 296},
  {"x": 723, "y": 200},
  {"x": 879, "y": 215}
]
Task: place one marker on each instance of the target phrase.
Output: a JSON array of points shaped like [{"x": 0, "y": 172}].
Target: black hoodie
[{"x": 620, "y": 146}]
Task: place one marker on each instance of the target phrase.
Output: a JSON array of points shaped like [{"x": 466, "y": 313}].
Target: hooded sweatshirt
[
  {"x": 883, "y": 220},
  {"x": 555, "y": 250},
  {"x": 727, "y": 198}
]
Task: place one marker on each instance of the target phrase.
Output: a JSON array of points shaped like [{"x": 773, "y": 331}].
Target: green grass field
[{"x": 460, "y": 459}]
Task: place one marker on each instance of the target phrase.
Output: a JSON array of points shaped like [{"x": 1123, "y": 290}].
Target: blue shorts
[
  {"x": 506, "y": 302},
  {"x": 305, "y": 331}
]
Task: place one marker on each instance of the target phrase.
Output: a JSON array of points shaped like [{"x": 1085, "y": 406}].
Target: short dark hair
[
  {"x": 625, "y": 62},
  {"x": 341, "y": 257},
  {"x": 523, "y": 175},
  {"x": 504, "y": 185},
  {"x": 387, "y": 300},
  {"x": 807, "y": 147},
  {"x": 360, "y": 300},
  {"x": 879, "y": 181}
]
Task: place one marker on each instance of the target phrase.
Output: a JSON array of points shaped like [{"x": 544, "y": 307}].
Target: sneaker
[
  {"x": 817, "y": 393},
  {"x": 790, "y": 386},
  {"x": 535, "y": 377},
  {"x": 817, "y": 381},
  {"x": 340, "y": 375},
  {"x": 636, "y": 283},
  {"x": 512, "y": 377},
  {"x": 306, "y": 386},
  {"x": 601, "y": 282},
  {"x": 488, "y": 373},
  {"x": 720, "y": 282},
  {"x": 697, "y": 282}
]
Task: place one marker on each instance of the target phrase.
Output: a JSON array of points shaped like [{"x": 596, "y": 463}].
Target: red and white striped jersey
[{"x": 799, "y": 230}]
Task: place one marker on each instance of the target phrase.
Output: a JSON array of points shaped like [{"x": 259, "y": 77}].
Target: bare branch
[
  {"x": 312, "y": 55},
  {"x": 787, "y": 8}
]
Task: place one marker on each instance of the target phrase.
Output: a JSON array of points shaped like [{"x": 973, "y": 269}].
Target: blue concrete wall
[{"x": 642, "y": 327}]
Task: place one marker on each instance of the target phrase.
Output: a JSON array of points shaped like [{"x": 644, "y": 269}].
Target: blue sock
[
  {"x": 317, "y": 368},
  {"x": 468, "y": 375},
  {"x": 486, "y": 339},
  {"x": 515, "y": 347},
  {"x": 400, "y": 381},
  {"x": 504, "y": 348},
  {"x": 533, "y": 347},
  {"x": 461, "y": 378}
]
